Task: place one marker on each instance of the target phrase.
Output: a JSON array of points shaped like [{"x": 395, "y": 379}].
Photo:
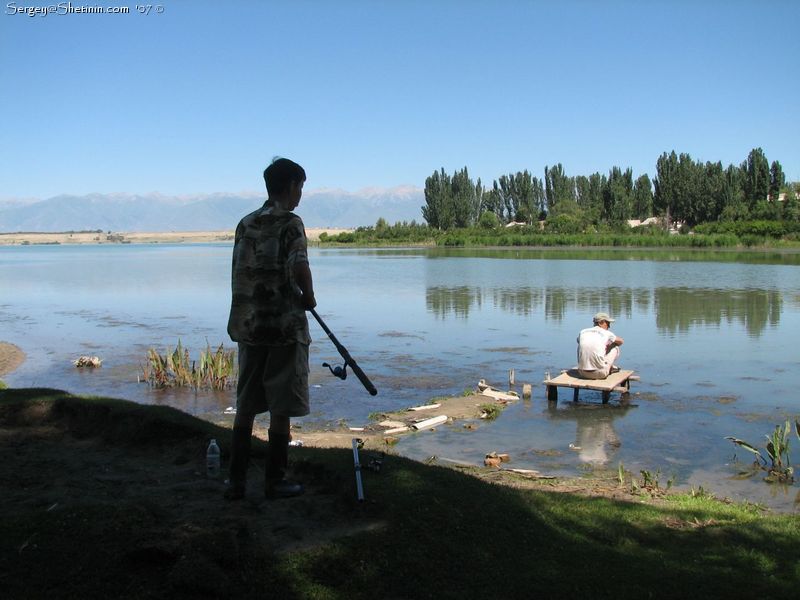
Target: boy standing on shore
[{"x": 268, "y": 320}]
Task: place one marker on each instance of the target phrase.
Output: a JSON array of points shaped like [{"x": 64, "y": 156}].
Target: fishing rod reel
[{"x": 340, "y": 372}]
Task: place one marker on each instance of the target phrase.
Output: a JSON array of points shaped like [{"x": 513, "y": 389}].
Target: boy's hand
[{"x": 309, "y": 302}]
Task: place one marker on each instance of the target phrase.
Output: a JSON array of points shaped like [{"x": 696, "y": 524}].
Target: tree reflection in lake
[
  {"x": 456, "y": 301},
  {"x": 676, "y": 309}
]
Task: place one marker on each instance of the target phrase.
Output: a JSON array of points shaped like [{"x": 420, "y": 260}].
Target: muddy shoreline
[{"x": 388, "y": 428}]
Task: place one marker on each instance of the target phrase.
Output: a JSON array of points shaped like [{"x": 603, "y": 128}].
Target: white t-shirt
[{"x": 592, "y": 344}]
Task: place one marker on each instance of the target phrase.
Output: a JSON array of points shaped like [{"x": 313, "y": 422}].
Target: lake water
[{"x": 712, "y": 335}]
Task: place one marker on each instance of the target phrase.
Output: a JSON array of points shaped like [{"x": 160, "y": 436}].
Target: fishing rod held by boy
[{"x": 341, "y": 372}]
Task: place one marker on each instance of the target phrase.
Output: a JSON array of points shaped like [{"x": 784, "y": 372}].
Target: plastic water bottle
[{"x": 213, "y": 460}]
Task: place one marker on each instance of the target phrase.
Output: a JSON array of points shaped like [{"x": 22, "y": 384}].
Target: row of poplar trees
[{"x": 684, "y": 190}]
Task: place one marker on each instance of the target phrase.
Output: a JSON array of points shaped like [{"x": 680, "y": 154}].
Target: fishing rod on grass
[{"x": 341, "y": 371}]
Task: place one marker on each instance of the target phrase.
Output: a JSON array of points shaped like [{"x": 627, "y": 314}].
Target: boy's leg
[
  {"x": 249, "y": 401},
  {"x": 286, "y": 382},
  {"x": 276, "y": 484},
  {"x": 240, "y": 456}
]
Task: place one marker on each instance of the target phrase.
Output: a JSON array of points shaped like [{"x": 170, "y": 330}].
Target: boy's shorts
[{"x": 274, "y": 379}]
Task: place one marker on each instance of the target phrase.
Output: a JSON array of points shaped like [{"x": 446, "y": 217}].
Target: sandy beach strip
[
  {"x": 165, "y": 237},
  {"x": 11, "y": 357}
]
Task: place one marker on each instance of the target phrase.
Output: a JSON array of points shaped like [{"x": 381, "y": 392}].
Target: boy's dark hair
[{"x": 280, "y": 174}]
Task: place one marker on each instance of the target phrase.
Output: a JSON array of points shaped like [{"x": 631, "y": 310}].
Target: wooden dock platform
[{"x": 616, "y": 382}]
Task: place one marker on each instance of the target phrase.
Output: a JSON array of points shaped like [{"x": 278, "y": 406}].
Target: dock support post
[{"x": 552, "y": 393}]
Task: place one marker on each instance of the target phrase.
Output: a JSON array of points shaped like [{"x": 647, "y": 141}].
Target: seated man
[{"x": 598, "y": 349}]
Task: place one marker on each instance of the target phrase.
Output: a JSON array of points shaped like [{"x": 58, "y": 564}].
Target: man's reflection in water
[{"x": 596, "y": 441}]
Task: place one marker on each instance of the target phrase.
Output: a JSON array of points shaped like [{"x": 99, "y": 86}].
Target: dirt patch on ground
[{"x": 11, "y": 357}]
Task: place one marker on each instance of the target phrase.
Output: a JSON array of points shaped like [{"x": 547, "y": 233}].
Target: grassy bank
[
  {"x": 740, "y": 235},
  {"x": 105, "y": 498}
]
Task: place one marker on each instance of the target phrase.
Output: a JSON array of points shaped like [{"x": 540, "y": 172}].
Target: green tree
[
  {"x": 488, "y": 220},
  {"x": 504, "y": 188},
  {"x": 687, "y": 188},
  {"x": 642, "y": 197},
  {"x": 733, "y": 205},
  {"x": 767, "y": 211},
  {"x": 451, "y": 201},
  {"x": 709, "y": 199},
  {"x": 582, "y": 191},
  {"x": 539, "y": 204},
  {"x": 521, "y": 194},
  {"x": 596, "y": 184},
  {"x": 678, "y": 184},
  {"x": 557, "y": 186},
  {"x": 525, "y": 193},
  {"x": 756, "y": 178},
  {"x": 492, "y": 202},
  {"x": 479, "y": 198},
  {"x": 618, "y": 196},
  {"x": 438, "y": 209},
  {"x": 564, "y": 223},
  {"x": 777, "y": 180},
  {"x": 666, "y": 185},
  {"x": 465, "y": 203},
  {"x": 791, "y": 206}
]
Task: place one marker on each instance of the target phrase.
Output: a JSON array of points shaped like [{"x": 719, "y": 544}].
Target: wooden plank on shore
[
  {"x": 394, "y": 430},
  {"x": 430, "y": 423},
  {"x": 426, "y": 407}
]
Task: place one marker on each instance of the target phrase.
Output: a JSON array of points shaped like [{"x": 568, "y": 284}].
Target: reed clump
[
  {"x": 779, "y": 466},
  {"x": 215, "y": 369}
]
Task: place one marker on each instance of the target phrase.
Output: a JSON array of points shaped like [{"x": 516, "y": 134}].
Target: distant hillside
[{"x": 157, "y": 212}]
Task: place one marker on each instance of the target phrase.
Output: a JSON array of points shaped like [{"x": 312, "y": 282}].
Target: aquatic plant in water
[
  {"x": 779, "y": 466},
  {"x": 214, "y": 370},
  {"x": 489, "y": 411},
  {"x": 650, "y": 483}
]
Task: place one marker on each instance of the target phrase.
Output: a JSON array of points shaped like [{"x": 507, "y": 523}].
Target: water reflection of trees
[
  {"x": 557, "y": 302},
  {"x": 676, "y": 309},
  {"x": 443, "y": 301}
]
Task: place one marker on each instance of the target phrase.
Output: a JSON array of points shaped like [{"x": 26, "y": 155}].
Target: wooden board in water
[{"x": 608, "y": 384}]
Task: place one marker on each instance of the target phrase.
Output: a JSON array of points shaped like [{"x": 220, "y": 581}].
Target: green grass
[
  {"x": 490, "y": 411},
  {"x": 441, "y": 533},
  {"x": 755, "y": 234}
]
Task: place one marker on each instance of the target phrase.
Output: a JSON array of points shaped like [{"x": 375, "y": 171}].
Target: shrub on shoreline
[{"x": 564, "y": 231}]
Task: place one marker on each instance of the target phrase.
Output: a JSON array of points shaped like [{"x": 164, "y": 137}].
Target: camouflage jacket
[{"x": 266, "y": 309}]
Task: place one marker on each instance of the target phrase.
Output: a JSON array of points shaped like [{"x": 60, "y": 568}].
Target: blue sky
[{"x": 199, "y": 97}]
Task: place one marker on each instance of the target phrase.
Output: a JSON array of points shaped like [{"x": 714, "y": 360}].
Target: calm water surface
[{"x": 713, "y": 337}]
